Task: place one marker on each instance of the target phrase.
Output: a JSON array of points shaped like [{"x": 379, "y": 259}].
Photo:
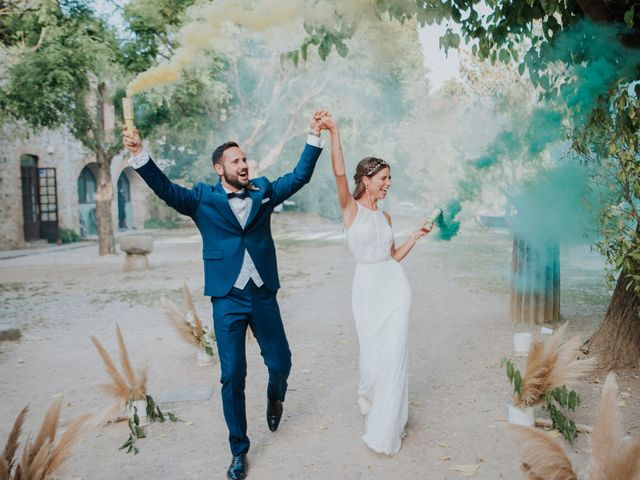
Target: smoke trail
[{"x": 205, "y": 29}]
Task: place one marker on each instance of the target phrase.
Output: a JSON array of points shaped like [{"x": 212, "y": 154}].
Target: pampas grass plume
[
  {"x": 41, "y": 457},
  {"x": 7, "y": 460},
  {"x": 551, "y": 365},
  {"x": 178, "y": 321},
  {"x": 122, "y": 386},
  {"x": 613, "y": 457},
  {"x": 542, "y": 457}
]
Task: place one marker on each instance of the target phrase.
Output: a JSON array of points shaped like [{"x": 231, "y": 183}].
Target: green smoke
[
  {"x": 553, "y": 196},
  {"x": 558, "y": 203},
  {"x": 446, "y": 222}
]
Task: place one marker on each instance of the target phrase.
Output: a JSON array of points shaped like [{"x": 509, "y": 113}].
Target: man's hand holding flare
[{"x": 132, "y": 140}]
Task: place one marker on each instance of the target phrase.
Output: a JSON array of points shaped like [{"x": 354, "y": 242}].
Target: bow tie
[{"x": 242, "y": 194}]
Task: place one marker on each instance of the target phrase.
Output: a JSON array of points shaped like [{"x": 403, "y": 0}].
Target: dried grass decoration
[
  {"x": 130, "y": 388},
  {"x": 613, "y": 457},
  {"x": 188, "y": 324},
  {"x": 551, "y": 366},
  {"x": 42, "y": 457}
]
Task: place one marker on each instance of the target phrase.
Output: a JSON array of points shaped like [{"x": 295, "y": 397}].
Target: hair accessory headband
[{"x": 374, "y": 166}]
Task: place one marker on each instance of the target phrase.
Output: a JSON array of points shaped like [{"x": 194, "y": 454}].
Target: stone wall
[{"x": 60, "y": 150}]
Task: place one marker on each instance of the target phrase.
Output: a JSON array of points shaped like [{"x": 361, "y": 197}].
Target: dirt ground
[{"x": 458, "y": 393}]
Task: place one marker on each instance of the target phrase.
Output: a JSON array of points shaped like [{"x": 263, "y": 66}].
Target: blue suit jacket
[{"x": 224, "y": 240}]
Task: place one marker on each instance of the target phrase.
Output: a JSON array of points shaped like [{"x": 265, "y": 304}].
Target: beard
[{"x": 235, "y": 181}]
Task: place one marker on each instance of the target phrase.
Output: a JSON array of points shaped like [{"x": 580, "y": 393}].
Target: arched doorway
[
  {"x": 125, "y": 208},
  {"x": 87, "y": 202}
]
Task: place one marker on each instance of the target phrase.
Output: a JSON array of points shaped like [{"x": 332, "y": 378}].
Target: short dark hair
[{"x": 217, "y": 153}]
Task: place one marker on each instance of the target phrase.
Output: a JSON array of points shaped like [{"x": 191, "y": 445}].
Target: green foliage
[
  {"x": 46, "y": 81},
  {"x": 136, "y": 431},
  {"x": 323, "y": 37},
  {"x": 169, "y": 223},
  {"x": 628, "y": 16},
  {"x": 152, "y": 25},
  {"x": 68, "y": 235},
  {"x": 59, "y": 52},
  {"x": 513, "y": 374},
  {"x": 449, "y": 40},
  {"x": 558, "y": 400}
]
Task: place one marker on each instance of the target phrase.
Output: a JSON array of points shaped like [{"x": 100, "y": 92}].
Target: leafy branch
[
  {"x": 153, "y": 413},
  {"x": 556, "y": 400}
]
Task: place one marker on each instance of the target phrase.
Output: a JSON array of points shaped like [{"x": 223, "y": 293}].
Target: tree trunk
[
  {"x": 535, "y": 282},
  {"x": 617, "y": 341},
  {"x": 104, "y": 198}
]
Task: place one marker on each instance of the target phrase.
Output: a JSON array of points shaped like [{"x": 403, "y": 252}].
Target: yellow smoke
[{"x": 204, "y": 29}]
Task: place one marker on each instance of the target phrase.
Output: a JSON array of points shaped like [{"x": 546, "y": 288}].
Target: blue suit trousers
[{"x": 257, "y": 308}]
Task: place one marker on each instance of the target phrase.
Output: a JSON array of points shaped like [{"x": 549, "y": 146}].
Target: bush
[
  {"x": 68, "y": 236},
  {"x": 160, "y": 223}
]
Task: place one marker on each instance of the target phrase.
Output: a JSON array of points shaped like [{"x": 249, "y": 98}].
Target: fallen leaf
[
  {"x": 444, "y": 458},
  {"x": 342, "y": 342},
  {"x": 467, "y": 470},
  {"x": 443, "y": 445},
  {"x": 622, "y": 403},
  {"x": 554, "y": 433}
]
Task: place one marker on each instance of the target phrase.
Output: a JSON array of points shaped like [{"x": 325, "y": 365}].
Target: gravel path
[{"x": 458, "y": 393}]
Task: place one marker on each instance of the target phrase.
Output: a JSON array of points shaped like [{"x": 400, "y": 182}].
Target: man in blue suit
[{"x": 240, "y": 269}]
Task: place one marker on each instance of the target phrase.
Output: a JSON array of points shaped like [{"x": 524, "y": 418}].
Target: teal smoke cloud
[{"x": 446, "y": 222}]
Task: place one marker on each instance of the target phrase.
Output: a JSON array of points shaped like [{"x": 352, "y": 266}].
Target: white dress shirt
[{"x": 240, "y": 208}]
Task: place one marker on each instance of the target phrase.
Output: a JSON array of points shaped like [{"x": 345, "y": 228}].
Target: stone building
[{"x": 48, "y": 182}]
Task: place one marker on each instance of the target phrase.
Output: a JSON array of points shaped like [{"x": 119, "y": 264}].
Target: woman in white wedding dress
[{"x": 381, "y": 297}]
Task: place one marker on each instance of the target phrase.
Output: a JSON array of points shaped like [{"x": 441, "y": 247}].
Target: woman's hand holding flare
[{"x": 422, "y": 231}]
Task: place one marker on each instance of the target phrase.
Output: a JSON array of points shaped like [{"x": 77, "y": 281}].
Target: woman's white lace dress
[{"x": 381, "y": 306}]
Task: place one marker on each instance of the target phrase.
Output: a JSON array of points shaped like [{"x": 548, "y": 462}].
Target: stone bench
[{"x": 137, "y": 248}]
